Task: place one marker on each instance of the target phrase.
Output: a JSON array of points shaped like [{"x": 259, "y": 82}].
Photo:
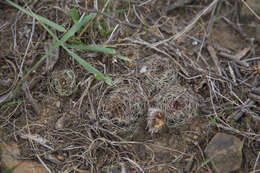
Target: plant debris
[{"x": 131, "y": 86}]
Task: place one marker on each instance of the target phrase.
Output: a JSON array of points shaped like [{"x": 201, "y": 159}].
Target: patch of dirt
[
  {"x": 224, "y": 36},
  {"x": 199, "y": 79},
  {"x": 10, "y": 153},
  {"x": 6, "y": 37}
]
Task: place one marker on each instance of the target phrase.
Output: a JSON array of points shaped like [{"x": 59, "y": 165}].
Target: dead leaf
[{"x": 242, "y": 53}]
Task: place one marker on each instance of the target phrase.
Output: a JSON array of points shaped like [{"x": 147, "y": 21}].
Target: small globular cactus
[
  {"x": 156, "y": 120},
  {"x": 63, "y": 82}
]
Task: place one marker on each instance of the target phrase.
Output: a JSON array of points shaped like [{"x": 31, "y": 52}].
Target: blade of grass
[
  {"x": 90, "y": 68},
  {"x": 115, "y": 11},
  {"x": 60, "y": 42},
  {"x": 101, "y": 49},
  {"x": 42, "y": 19},
  {"x": 206, "y": 161},
  {"x": 74, "y": 15},
  {"x": 124, "y": 58},
  {"x": 75, "y": 28},
  {"x": 87, "y": 66},
  {"x": 83, "y": 20},
  {"x": 219, "y": 5}
]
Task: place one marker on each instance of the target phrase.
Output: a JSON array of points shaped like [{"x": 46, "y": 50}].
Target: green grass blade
[
  {"x": 84, "y": 63},
  {"x": 115, "y": 11},
  {"x": 76, "y": 27},
  {"x": 101, "y": 49},
  {"x": 40, "y": 18},
  {"x": 90, "y": 68},
  {"x": 124, "y": 58},
  {"x": 50, "y": 32},
  {"x": 74, "y": 15},
  {"x": 70, "y": 33},
  {"x": 219, "y": 5},
  {"x": 205, "y": 162},
  {"x": 60, "y": 42},
  {"x": 87, "y": 66}
]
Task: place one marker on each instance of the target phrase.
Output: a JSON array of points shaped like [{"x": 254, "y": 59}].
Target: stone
[
  {"x": 8, "y": 160},
  {"x": 224, "y": 152}
]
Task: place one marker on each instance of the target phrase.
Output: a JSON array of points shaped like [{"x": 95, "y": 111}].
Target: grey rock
[{"x": 225, "y": 152}]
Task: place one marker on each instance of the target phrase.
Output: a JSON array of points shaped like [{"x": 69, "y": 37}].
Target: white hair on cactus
[{"x": 156, "y": 120}]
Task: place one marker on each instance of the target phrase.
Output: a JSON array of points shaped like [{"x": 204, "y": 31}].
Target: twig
[
  {"x": 232, "y": 73},
  {"x": 252, "y": 59},
  {"x": 45, "y": 166},
  {"x": 254, "y": 97},
  {"x": 234, "y": 58},
  {"x": 242, "y": 53},
  {"x": 235, "y": 27},
  {"x": 112, "y": 18},
  {"x": 189, "y": 165},
  {"x": 4, "y": 25},
  {"x": 38, "y": 139},
  {"x": 134, "y": 163},
  {"x": 256, "y": 161},
  {"x": 254, "y": 13},
  {"x": 213, "y": 55},
  {"x": 256, "y": 91},
  {"x": 161, "y": 51},
  {"x": 187, "y": 28},
  {"x": 27, "y": 48}
]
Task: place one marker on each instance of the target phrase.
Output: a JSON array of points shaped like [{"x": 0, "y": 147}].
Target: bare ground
[{"x": 194, "y": 63}]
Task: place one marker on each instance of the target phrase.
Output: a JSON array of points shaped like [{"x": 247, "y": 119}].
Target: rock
[
  {"x": 8, "y": 160},
  {"x": 224, "y": 152}
]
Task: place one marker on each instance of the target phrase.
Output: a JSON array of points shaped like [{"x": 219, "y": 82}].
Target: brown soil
[{"x": 102, "y": 128}]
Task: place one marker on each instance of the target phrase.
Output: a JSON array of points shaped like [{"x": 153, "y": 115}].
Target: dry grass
[{"x": 177, "y": 66}]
